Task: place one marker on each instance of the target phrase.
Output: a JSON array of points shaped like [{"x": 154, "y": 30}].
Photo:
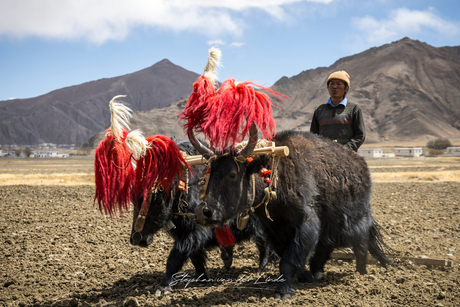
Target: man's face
[{"x": 336, "y": 88}]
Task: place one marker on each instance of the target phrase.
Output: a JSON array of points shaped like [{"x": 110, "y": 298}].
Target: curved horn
[
  {"x": 252, "y": 142},
  {"x": 203, "y": 150}
]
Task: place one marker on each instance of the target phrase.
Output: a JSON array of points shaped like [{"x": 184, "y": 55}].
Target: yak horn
[
  {"x": 120, "y": 115},
  {"x": 252, "y": 142},
  {"x": 203, "y": 150}
]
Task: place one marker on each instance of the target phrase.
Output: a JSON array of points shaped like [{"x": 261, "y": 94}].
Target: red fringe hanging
[
  {"x": 232, "y": 111},
  {"x": 224, "y": 235},
  {"x": 159, "y": 167},
  {"x": 196, "y": 108},
  {"x": 114, "y": 174}
]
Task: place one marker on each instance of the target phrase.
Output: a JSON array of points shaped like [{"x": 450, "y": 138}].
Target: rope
[
  {"x": 129, "y": 161},
  {"x": 269, "y": 193}
]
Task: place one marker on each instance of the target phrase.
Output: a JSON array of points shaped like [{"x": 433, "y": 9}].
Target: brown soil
[{"x": 57, "y": 250}]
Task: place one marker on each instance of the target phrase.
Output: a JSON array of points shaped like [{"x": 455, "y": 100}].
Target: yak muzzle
[
  {"x": 137, "y": 238},
  {"x": 205, "y": 214}
]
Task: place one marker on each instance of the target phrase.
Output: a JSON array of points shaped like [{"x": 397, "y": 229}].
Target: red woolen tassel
[
  {"x": 224, "y": 235},
  {"x": 159, "y": 167},
  {"x": 114, "y": 174},
  {"x": 196, "y": 108},
  {"x": 232, "y": 111}
]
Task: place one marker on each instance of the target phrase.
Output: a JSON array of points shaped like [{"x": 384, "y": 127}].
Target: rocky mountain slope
[
  {"x": 408, "y": 90},
  {"x": 74, "y": 114}
]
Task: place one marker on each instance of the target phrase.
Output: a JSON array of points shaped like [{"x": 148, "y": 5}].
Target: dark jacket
[{"x": 342, "y": 124}]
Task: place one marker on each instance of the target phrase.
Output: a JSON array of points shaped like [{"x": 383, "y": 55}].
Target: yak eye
[{"x": 232, "y": 175}]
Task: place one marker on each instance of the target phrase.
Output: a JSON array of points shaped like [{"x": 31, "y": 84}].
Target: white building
[
  {"x": 371, "y": 153},
  {"x": 48, "y": 154},
  {"x": 452, "y": 152},
  {"x": 409, "y": 152}
]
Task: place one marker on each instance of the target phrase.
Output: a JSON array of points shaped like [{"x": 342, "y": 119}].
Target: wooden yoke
[{"x": 280, "y": 151}]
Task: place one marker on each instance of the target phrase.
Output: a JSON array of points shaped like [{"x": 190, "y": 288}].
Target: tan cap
[{"x": 340, "y": 75}]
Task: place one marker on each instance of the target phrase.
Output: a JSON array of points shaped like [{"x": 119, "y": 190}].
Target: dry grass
[
  {"x": 416, "y": 176},
  {"x": 47, "y": 179},
  {"x": 80, "y": 170}
]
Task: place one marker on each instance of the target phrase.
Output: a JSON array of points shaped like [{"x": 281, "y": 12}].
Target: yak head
[
  {"x": 227, "y": 187},
  {"x": 149, "y": 217},
  {"x": 160, "y": 208}
]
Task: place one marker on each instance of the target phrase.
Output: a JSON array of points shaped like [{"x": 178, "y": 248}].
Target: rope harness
[{"x": 269, "y": 193}]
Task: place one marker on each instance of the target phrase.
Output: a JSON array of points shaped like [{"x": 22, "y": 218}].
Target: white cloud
[
  {"x": 404, "y": 22},
  {"x": 237, "y": 44},
  {"x": 102, "y": 20},
  {"x": 216, "y": 42}
]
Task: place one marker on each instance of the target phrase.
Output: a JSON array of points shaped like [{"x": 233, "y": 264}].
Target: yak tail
[
  {"x": 119, "y": 118},
  {"x": 377, "y": 246}
]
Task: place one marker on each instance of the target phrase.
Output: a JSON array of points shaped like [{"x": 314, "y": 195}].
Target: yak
[
  {"x": 322, "y": 202},
  {"x": 175, "y": 213}
]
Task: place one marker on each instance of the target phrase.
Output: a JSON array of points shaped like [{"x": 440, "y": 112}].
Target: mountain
[
  {"x": 408, "y": 90},
  {"x": 74, "y": 114}
]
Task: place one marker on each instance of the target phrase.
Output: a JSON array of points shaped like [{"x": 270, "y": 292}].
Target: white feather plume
[
  {"x": 120, "y": 115},
  {"x": 137, "y": 144},
  {"x": 212, "y": 64}
]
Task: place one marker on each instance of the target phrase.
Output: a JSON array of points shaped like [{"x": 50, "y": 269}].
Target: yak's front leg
[{"x": 174, "y": 264}]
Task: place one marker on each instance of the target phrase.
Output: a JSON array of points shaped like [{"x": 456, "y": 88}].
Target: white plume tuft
[
  {"x": 212, "y": 64},
  {"x": 137, "y": 144},
  {"x": 120, "y": 115}
]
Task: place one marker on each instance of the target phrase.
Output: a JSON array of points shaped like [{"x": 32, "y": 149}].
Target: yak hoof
[
  {"x": 318, "y": 275},
  {"x": 284, "y": 296},
  {"x": 161, "y": 290},
  {"x": 228, "y": 263}
]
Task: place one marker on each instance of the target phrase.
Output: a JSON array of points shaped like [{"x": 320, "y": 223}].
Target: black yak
[
  {"x": 322, "y": 202},
  {"x": 175, "y": 212}
]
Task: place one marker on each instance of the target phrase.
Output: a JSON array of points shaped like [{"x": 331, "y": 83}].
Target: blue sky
[{"x": 50, "y": 44}]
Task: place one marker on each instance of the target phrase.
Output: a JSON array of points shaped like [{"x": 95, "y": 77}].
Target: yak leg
[
  {"x": 284, "y": 290},
  {"x": 294, "y": 258},
  {"x": 318, "y": 261},
  {"x": 226, "y": 254},
  {"x": 176, "y": 260},
  {"x": 360, "y": 251},
  {"x": 264, "y": 255},
  {"x": 198, "y": 259}
]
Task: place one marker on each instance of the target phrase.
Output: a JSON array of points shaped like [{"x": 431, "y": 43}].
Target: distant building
[
  {"x": 48, "y": 154},
  {"x": 414, "y": 152},
  {"x": 452, "y": 152},
  {"x": 371, "y": 153}
]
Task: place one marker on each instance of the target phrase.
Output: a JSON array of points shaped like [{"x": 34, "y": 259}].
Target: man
[{"x": 339, "y": 119}]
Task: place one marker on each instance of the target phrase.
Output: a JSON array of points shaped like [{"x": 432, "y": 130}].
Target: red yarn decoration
[
  {"x": 224, "y": 235},
  {"x": 232, "y": 111},
  {"x": 159, "y": 167},
  {"x": 197, "y": 105},
  {"x": 114, "y": 174}
]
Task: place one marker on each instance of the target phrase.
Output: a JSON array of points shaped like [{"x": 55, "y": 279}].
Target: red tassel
[
  {"x": 114, "y": 175},
  {"x": 233, "y": 109},
  {"x": 224, "y": 235},
  {"x": 196, "y": 108},
  {"x": 159, "y": 167}
]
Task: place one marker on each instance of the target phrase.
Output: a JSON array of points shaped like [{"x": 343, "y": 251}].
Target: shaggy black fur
[
  {"x": 323, "y": 202},
  {"x": 191, "y": 239}
]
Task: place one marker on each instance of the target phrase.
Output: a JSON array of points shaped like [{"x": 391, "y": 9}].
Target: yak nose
[
  {"x": 203, "y": 212},
  {"x": 137, "y": 239}
]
